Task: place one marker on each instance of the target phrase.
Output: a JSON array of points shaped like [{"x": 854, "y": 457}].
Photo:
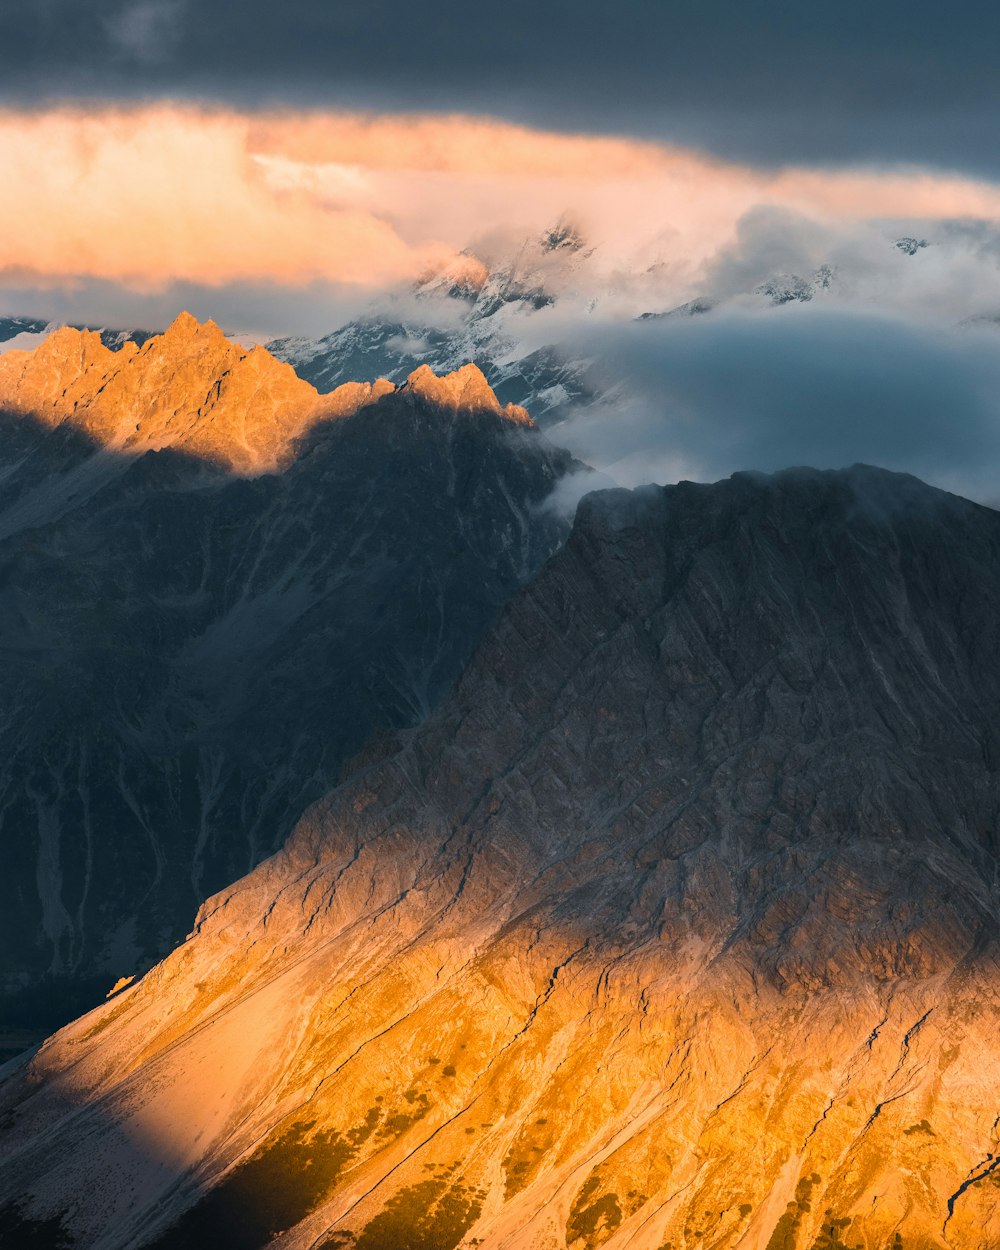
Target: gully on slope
[
  {"x": 215, "y": 585},
  {"x": 676, "y": 926}
]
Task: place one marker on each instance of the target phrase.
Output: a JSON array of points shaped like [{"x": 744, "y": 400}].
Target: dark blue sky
[{"x": 773, "y": 81}]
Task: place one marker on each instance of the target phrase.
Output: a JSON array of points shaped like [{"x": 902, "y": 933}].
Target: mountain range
[
  {"x": 472, "y": 310},
  {"x": 531, "y": 313},
  {"x": 675, "y": 926},
  {"x": 215, "y": 586},
  {"x": 21, "y": 333}
]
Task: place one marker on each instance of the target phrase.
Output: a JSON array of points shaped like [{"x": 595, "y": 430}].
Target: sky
[
  {"x": 774, "y": 81},
  {"x": 282, "y": 167}
]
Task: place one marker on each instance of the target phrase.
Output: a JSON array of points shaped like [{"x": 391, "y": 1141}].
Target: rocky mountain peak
[
  {"x": 82, "y": 349},
  {"x": 186, "y": 338},
  {"x": 194, "y": 390},
  {"x": 190, "y": 389},
  {"x": 187, "y": 326},
  {"x": 563, "y": 236},
  {"x": 466, "y": 389},
  {"x": 63, "y": 367},
  {"x": 461, "y": 278}
]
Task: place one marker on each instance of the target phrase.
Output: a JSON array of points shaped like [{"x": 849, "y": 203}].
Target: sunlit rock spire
[{"x": 465, "y": 389}]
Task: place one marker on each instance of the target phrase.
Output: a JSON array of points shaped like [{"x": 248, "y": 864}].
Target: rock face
[
  {"x": 214, "y": 586},
  {"x": 676, "y": 926},
  {"x": 188, "y": 389}
]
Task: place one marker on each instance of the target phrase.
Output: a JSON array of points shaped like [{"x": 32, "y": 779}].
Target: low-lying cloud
[
  {"x": 800, "y": 385},
  {"x": 278, "y": 222}
]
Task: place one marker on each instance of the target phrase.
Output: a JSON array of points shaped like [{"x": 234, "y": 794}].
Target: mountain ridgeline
[
  {"x": 215, "y": 586},
  {"x": 675, "y": 927}
]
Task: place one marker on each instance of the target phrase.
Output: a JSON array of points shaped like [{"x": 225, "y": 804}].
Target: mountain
[
  {"x": 473, "y": 310},
  {"x": 188, "y": 389},
  {"x": 12, "y": 327},
  {"x": 675, "y": 927},
  {"x": 547, "y": 320},
  {"x": 26, "y": 332},
  {"x": 215, "y": 585}
]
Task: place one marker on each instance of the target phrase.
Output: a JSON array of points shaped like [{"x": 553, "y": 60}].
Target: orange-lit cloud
[
  {"x": 153, "y": 195},
  {"x": 149, "y": 195}
]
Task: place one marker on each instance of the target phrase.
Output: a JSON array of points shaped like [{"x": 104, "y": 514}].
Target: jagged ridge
[{"x": 192, "y": 389}]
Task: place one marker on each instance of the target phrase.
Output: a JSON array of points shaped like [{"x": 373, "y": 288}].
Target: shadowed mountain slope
[
  {"x": 676, "y": 926},
  {"x": 193, "y": 643}
]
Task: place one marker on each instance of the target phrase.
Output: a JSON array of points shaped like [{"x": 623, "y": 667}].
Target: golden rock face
[
  {"x": 418, "y": 1066},
  {"x": 193, "y": 390},
  {"x": 466, "y": 388},
  {"x": 675, "y": 927}
]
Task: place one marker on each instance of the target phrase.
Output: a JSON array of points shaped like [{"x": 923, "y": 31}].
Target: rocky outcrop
[
  {"x": 189, "y": 388},
  {"x": 677, "y": 926},
  {"x": 193, "y": 644},
  {"x": 465, "y": 389}
]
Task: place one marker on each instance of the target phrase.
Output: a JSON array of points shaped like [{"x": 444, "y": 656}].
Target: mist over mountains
[
  {"x": 803, "y": 346},
  {"x": 778, "y": 336}
]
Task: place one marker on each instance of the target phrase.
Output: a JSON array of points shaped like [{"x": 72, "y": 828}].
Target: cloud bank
[
  {"x": 292, "y": 221},
  {"x": 162, "y": 195},
  {"x": 801, "y": 385}
]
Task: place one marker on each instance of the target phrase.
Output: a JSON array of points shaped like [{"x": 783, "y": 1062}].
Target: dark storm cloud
[
  {"x": 785, "y": 80},
  {"x": 799, "y": 385}
]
